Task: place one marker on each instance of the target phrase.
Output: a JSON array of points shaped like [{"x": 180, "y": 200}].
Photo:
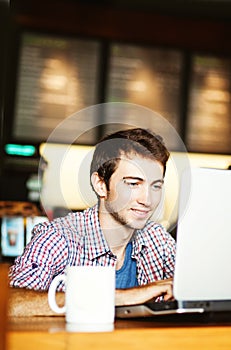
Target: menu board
[
  {"x": 209, "y": 123},
  {"x": 57, "y": 77},
  {"x": 149, "y": 77},
  {"x": 12, "y": 236}
]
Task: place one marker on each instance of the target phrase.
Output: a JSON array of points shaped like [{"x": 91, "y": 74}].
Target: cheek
[
  {"x": 120, "y": 196},
  {"x": 156, "y": 197}
]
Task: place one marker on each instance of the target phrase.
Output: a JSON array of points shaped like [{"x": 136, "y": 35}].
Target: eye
[
  {"x": 157, "y": 186},
  {"x": 131, "y": 183}
]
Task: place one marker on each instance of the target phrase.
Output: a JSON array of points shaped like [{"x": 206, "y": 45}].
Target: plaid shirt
[{"x": 77, "y": 239}]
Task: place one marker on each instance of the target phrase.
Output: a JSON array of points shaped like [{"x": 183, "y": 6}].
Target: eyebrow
[{"x": 140, "y": 179}]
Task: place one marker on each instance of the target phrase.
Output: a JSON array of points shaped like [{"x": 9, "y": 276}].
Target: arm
[
  {"x": 40, "y": 261},
  {"x": 140, "y": 294},
  {"x": 27, "y": 302}
]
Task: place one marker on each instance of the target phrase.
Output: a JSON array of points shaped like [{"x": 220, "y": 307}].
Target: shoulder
[
  {"x": 156, "y": 229},
  {"x": 62, "y": 226},
  {"x": 156, "y": 233},
  {"x": 72, "y": 224}
]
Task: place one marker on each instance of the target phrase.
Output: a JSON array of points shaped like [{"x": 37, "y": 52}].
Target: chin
[{"x": 136, "y": 225}]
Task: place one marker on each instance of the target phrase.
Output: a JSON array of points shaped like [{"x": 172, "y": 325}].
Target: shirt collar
[
  {"x": 140, "y": 241},
  {"x": 96, "y": 241}
]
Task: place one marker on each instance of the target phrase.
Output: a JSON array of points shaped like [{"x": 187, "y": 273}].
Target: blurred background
[{"x": 61, "y": 56}]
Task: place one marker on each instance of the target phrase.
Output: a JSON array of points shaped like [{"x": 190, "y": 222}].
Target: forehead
[{"x": 138, "y": 166}]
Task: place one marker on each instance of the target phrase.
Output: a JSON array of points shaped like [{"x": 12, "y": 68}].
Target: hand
[{"x": 162, "y": 288}]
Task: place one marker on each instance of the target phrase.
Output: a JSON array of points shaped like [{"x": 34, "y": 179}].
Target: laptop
[{"x": 202, "y": 278}]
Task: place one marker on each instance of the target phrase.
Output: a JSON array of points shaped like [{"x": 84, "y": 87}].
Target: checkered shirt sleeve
[{"x": 43, "y": 258}]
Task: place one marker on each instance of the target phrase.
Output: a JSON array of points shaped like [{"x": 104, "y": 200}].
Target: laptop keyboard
[{"x": 162, "y": 305}]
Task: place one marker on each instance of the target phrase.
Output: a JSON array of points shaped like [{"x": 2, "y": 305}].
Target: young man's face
[{"x": 135, "y": 190}]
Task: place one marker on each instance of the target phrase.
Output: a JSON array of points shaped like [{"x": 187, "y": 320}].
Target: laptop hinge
[{"x": 180, "y": 304}]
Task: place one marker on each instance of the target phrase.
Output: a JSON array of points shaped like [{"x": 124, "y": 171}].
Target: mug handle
[{"x": 52, "y": 292}]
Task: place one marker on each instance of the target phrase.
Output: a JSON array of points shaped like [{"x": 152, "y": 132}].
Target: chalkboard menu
[
  {"x": 149, "y": 77},
  {"x": 209, "y": 121},
  {"x": 57, "y": 77}
]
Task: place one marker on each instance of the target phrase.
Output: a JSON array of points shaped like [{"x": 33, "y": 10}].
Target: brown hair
[{"x": 131, "y": 141}]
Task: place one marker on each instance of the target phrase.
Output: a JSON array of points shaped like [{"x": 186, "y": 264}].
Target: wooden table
[{"x": 48, "y": 333}]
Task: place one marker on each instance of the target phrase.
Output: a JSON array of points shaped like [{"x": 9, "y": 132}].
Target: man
[{"x": 127, "y": 175}]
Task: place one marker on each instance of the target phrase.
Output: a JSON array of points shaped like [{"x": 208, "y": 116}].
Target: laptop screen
[{"x": 203, "y": 256}]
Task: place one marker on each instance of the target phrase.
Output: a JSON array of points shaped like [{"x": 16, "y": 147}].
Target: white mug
[{"x": 89, "y": 298}]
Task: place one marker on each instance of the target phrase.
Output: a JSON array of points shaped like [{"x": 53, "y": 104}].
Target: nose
[{"x": 145, "y": 197}]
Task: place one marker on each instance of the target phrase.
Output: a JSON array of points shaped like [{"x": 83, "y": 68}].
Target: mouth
[{"x": 140, "y": 213}]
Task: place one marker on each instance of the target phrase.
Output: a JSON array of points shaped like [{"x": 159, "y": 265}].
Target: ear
[{"x": 99, "y": 185}]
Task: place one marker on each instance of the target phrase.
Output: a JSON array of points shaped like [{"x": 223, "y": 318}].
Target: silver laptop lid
[{"x": 203, "y": 259}]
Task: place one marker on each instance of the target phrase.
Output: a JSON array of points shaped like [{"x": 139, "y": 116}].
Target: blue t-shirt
[{"x": 126, "y": 275}]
